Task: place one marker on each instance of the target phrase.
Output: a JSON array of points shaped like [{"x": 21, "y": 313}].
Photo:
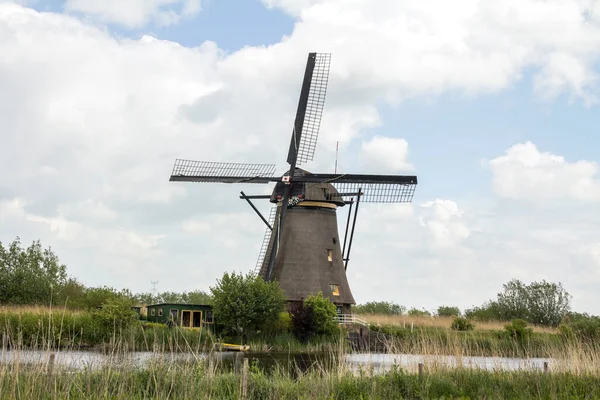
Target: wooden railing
[{"x": 350, "y": 319}]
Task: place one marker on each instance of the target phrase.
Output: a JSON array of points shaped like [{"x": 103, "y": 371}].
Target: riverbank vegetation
[
  {"x": 248, "y": 309},
  {"x": 159, "y": 377}
]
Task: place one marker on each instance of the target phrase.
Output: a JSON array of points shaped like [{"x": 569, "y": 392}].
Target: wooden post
[
  {"x": 50, "y": 371},
  {"x": 237, "y": 361},
  {"x": 420, "y": 370},
  {"x": 545, "y": 367},
  {"x": 245, "y": 380}
]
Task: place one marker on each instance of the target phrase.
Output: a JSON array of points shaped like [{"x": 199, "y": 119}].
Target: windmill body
[
  {"x": 302, "y": 248},
  {"x": 309, "y": 257}
]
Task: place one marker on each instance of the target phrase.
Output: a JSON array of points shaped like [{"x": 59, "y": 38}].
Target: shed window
[
  {"x": 209, "y": 316},
  {"x": 329, "y": 255},
  {"x": 196, "y": 319},
  {"x": 335, "y": 289},
  {"x": 160, "y": 311},
  {"x": 152, "y": 312}
]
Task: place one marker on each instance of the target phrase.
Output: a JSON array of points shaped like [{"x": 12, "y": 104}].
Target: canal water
[{"x": 376, "y": 362}]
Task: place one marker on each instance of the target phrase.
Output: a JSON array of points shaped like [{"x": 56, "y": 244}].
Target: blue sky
[
  {"x": 475, "y": 84},
  {"x": 465, "y": 129},
  {"x": 232, "y": 24}
]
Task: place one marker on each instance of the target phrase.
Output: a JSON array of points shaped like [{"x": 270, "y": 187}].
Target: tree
[
  {"x": 548, "y": 303},
  {"x": 199, "y": 297},
  {"x": 71, "y": 294},
  {"x": 542, "y": 303},
  {"x": 244, "y": 303},
  {"x": 414, "y": 312},
  {"x": 446, "y": 311},
  {"x": 31, "y": 275},
  {"x": 96, "y": 297},
  {"x": 193, "y": 297},
  {"x": 513, "y": 301},
  {"x": 489, "y": 311},
  {"x": 379, "y": 307}
]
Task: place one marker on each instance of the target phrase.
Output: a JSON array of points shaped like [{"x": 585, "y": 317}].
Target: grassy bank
[
  {"x": 421, "y": 321},
  {"x": 40, "y": 327},
  {"x": 430, "y": 340},
  {"x": 164, "y": 379}
]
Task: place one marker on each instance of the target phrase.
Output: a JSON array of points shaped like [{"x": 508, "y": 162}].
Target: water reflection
[{"x": 291, "y": 362}]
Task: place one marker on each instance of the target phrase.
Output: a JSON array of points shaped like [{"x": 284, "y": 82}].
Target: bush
[
  {"x": 445, "y": 311},
  {"x": 379, "y": 307},
  {"x": 243, "y": 304},
  {"x": 518, "y": 329},
  {"x": 303, "y": 326},
  {"x": 323, "y": 314},
  {"x": 314, "y": 316},
  {"x": 462, "y": 324},
  {"x": 586, "y": 327},
  {"x": 419, "y": 313},
  {"x": 116, "y": 313},
  {"x": 282, "y": 324},
  {"x": 566, "y": 331},
  {"x": 487, "y": 312}
]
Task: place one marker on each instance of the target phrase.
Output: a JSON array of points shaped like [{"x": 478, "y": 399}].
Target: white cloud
[
  {"x": 566, "y": 73},
  {"x": 12, "y": 208},
  {"x": 444, "y": 221},
  {"x": 136, "y": 13},
  {"x": 404, "y": 49},
  {"x": 91, "y": 124},
  {"x": 524, "y": 172},
  {"x": 293, "y": 7},
  {"x": 385, "y": 155}
]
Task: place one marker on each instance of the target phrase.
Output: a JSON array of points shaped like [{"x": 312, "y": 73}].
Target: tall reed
[{"x": 176, "y": 375}]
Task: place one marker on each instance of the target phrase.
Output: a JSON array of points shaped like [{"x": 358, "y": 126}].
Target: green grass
[
  {"x": 434, "y": 340},
  {"x": 40, "y": 329},
  {"x": 172, "y": 380},
  {"x": 574, "y": 371}
]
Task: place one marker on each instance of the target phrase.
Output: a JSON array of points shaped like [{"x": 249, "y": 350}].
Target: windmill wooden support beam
[
  {"x": 243, "y": 196},
  {"x": 347, "y": 257}
]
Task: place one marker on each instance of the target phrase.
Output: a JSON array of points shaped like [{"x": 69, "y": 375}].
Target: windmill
[{"x": 301, "y": 248}]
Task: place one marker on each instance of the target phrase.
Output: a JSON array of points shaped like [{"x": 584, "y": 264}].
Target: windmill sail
[
  {"x": 265, "y": 244},
  {"x": 310, "y": 109},
  {"x": 374, "y": 188},
  {"x": 207, "y": 171}
]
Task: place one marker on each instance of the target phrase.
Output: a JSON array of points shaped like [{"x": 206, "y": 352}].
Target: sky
[{"x": 493, "y": 105}]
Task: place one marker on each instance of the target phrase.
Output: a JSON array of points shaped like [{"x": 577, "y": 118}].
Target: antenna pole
[
  {"x": 336, "y": 156},
  {"x": 154, "y": 288}
]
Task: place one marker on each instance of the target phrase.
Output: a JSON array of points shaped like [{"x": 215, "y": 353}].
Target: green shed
[{"x": 183, "y": 315}]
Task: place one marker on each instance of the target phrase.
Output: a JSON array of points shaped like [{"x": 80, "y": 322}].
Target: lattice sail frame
[
  {"x": 377, "y": 192},
  {"x": 193, "y": 168},
  {"x": 266, "y": 239},
  {"x": 314, "y": 108}
]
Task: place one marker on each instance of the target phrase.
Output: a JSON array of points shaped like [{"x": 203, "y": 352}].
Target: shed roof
[{"x": 179, "y": 304}]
